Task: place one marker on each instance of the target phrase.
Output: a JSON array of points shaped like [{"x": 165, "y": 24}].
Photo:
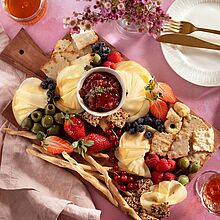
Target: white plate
[{"x": 198, "y": 66}]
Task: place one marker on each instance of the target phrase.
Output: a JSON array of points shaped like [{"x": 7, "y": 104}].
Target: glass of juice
[
  {"x": 208, "y": 188},
  {"x": 25, "y": 11}
]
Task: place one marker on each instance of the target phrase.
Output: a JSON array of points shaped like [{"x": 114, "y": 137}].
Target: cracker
[
  {"x": 91, "y": 119},
  {"x": 61, "y": 45},
  {"x": 203, "y": 140},
  {"x": 84, "y": 39},
  {"x": 54, "y": 66},
  {"x": 172, "y": 115},
  {"x": 172, "y": 126},
  {"x": 86, "y": 50},
  {"x": 161, "y": 143},
  {"x": 180, "y": 147},
  {"x": 182, "y": 109},
  {"x": 69, "y": 56}
]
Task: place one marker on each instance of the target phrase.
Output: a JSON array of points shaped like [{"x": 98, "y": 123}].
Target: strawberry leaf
[{"x": 88, "y": 143}]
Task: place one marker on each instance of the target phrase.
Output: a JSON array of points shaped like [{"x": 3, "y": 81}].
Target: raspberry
[
  {"x": 162, "y": 166},
  {"x": 109, "y": 64},
  {"x": 152, "y": 161},
  {"x": 172, "y": 164},
  {"x": 169, "y": 176},
  {"x": 157, "y": 177},
  {"x": 115, "y": 57}
]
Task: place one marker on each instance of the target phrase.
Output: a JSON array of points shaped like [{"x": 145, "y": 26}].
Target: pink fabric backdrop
[{"x": 146, "y": 51}]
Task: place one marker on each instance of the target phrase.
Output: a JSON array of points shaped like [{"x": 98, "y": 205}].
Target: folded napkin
[{"x": 31, "y": 188}]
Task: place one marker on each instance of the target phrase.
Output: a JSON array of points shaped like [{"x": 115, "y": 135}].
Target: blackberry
[
  {"x": 51, "y": 86},
  {"x": 56, "y": 98},
  {"x": 44, "y": 85}
]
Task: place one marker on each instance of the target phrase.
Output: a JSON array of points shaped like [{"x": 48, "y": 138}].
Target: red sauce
[
  {"x": 211, "y": 193},
  {"x": 101, "y": 92}
]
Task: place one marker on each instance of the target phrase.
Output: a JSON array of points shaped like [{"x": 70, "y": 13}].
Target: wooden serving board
[{"x": 25, "y": 55}]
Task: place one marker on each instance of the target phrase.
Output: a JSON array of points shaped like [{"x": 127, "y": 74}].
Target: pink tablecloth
[{"x": 145, "y": 50}]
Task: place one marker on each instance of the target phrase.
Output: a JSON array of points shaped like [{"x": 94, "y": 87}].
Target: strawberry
[
  {"x": 162, "y": 166},
  {"x": 166, "y": 92},
  {"x": 109, "y": 64},
  {"x": 99, "y": 142},
  {"x": 169, "y": 176},
  {"x": 159, "y": 109},
  {"x": 157, "y": 177},
  {"x": 115, "y": 57},
  {"x": 172, "y": 164},
  {"x": 56, "y": 145},
  {"x": 152, "y": 161},
  {"x": 74, "y": 127}
]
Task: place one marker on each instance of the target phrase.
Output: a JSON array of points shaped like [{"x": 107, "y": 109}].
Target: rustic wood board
[{"x": 31, "y": 64}]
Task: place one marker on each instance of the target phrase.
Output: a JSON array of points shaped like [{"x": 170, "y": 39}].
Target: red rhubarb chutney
[{"x": 101, "y": 92}]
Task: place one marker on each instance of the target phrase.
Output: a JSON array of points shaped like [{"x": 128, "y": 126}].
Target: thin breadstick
[
  {"x": 100, "y": 155},
  {"x": 25, "y": 134},
  {"x": 113, "y": 189},
  {"x": 91, "y": 179},
  {"x": 97, "y": 175}
]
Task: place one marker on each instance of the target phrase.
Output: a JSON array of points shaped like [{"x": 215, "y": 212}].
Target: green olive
[
  {"x": 194, "y": 167},
  {"x": 36, "y": 116},
  {"x": 183, "y": 163},
  {"x": 54, "y": 130},
  {"x": 50, "y": 109},
  {"x": 183, "y": 179},
  {"x": 59, "y": 118},
  {"x": 96, "y": 60},
  {"x": 47, "y": 121},
  {"x": 37, "y": 127},
  {"x": 27, "y": 124},
  {"x": 41, "y": 135}
]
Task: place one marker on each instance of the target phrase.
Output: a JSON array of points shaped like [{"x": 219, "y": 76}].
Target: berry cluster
[
  {"x": 50, "y": 84},
  {"x": 161, "y": 168},
  {"x": 114, "y": 134},
  {"x": 113, "y": 58},
  {"x": 138, "y": 125},
  {"x": 125, "y": 182},
  {"x": 101, "y": 49},
  {"x": 114, "y": 161}
]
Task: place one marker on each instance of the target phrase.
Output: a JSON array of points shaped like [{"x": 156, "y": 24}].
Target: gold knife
[{"x": 187, "y": 40}]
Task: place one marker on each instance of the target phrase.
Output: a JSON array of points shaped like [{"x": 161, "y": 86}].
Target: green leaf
[
  {"x": 75, "y": 144},
  {"x": 84, "y": 149},
  {"x": 89, "y": 143}
]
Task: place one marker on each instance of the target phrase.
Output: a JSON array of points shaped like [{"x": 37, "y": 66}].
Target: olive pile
[{"x": 45, "y": 122}]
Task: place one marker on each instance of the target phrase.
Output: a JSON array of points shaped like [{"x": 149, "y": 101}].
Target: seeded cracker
[
  {"x": 91, "y": 119},
  {"x": 61, "y": 45},
  {"x": 161, "y": 210},
  {"x": 161, "y": 143}
]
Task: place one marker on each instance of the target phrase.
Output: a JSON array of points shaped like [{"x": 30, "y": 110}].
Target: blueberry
[
  {"x": 50, "y": 80},
  {"x": 140, "y": 128},
  {"x": 127, "y": 126},
  {"x": 160, "y": 128},
  {"x": 51, "y": 86},
  {"x": 96, "y": 47},
  {"x": 56, "y": 98},
  {"x": 44, "y": 85},
  {"x": 106, "y": 50},
  {"x": 50, "y": 94},
  {"x": 132, "y": 131},
  {"x": 158, "y": 122},
  {"x": 148, "y": 135},
  {"x": 104, "y": 56},
  {"x": 102, "y": 44},
  {"x": 148, "y": 120},
  {"x": 134, "y": 125},
  {"x": 140, "y": 121}
]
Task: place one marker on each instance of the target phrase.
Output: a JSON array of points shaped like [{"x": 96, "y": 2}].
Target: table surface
[{"x": 145, "y": 50}]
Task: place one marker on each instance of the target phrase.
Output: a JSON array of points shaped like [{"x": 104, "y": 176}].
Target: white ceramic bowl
[{"x": 103, "y": 70}]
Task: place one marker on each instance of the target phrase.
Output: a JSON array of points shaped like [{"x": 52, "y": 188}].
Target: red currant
[
  {"x": 123, "y": 188},
  {"x": 119, "y": 132},
  {"x": 110, "y": 125},
  {"x": 124, "y": 178},
  {"x": 135, "y": 185},
  {"x": 130, "y": 179},
  {"x": 124, "y": 173},
  {"x": 130, "y": 186},
  {"x": 115, "y": 167},
  {"x": 109, "y": 132},
  {"x": 111, "y": 159},
  {"x": 117, "y": 177},
  {"x": 116, "y": 143},
  {"x": 112, "y": 138}
]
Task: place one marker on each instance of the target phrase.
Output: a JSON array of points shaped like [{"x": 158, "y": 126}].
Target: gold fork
[{"x": 184, "y": 27}]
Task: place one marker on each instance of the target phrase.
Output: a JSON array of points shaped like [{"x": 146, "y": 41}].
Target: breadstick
[
  {"x": 91, "y": 179},
  {"x": 100, "y": 155},
  {"x": 113, "y": 189},
  {"x": 25, "y": 134}
]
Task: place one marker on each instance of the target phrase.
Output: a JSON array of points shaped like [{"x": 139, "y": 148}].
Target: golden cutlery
[
  {"x": 184, "y": 27},
  {"x": 187, "y": 40}
]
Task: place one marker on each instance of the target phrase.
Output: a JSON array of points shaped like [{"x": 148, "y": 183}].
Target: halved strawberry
[
  {"x": 159, "y": 109},
  {"x": 166, "y": 92},
  {"x": 56, "y": 145}
]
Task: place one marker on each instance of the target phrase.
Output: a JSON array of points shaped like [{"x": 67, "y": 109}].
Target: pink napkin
[{"x": 31, "y": 188}]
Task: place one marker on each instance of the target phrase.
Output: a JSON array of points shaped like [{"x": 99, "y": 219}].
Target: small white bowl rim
[{"x": 101, "y": 69}]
